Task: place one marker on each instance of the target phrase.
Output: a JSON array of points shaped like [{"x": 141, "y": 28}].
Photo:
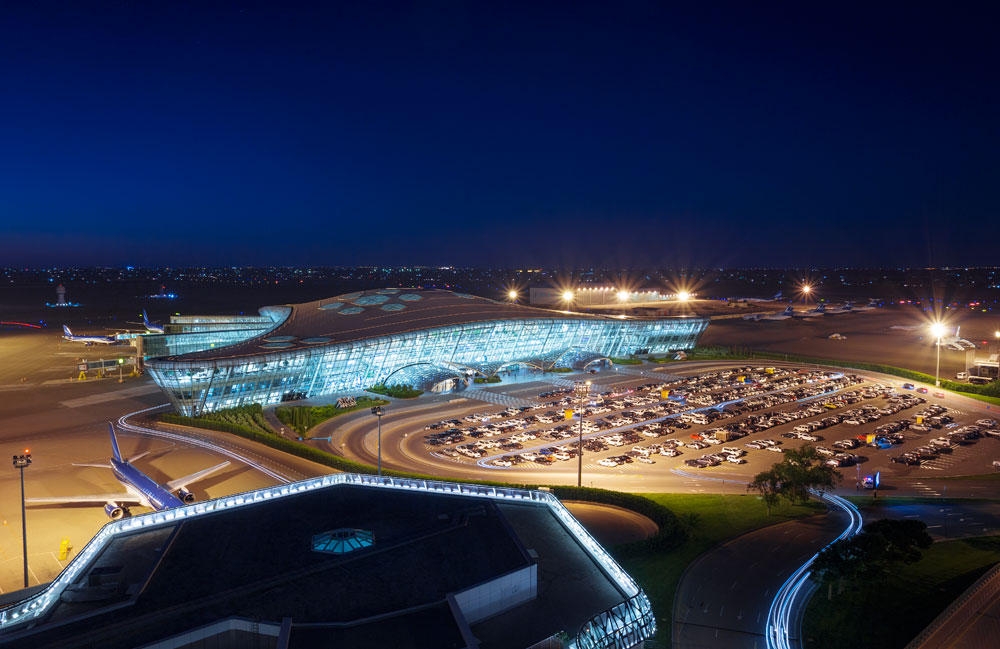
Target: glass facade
[{"x": 284, "y": 367}]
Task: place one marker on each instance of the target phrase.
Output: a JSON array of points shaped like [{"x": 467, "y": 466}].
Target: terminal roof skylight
[
  {"x": 371, "y": 300},
  {"x": 342, "y": 541}
]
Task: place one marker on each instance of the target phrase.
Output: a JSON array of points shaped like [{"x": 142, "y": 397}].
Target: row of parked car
[
  {"x": 945, "y": 444},
  {"x": 650, "y": 413}
]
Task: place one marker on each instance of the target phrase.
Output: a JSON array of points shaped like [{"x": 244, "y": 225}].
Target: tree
[
  {"x": 873, "y": 553},
  {"x": 799, "y": 472},
  {"x": 768, "y": 486}
]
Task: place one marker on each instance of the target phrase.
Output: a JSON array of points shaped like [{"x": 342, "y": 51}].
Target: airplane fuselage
[{"x": 151, "y": 493}]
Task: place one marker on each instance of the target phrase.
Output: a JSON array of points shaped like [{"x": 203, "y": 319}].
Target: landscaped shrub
[
  {"x": 302, "y": 418},
  {"x": 396, "y": 390}
]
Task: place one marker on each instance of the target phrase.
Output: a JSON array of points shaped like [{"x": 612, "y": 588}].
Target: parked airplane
[
  {"x": 151, "y": 327},
  {"x": 140, "y": 488},
  {"x": 872, "y": 304},
  {"x": 88, "y": 340},
  {"x": 784, "y": 315},
  {"x": 811, "y": 313},
  {"x": 846, "y": 307},
  {"x": 956, "y": 342}
]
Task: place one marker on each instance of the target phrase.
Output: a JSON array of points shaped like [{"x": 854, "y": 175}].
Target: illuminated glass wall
[{"x": 288, "y": 368}]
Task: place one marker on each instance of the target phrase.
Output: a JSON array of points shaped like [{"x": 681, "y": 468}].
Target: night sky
[{"x": 504, "y": 134}]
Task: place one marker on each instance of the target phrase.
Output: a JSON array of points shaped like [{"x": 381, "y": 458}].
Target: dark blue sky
[{"x": 620, "y": 134}]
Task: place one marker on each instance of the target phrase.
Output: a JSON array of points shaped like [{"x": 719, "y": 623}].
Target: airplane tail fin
[
  {"x": 67, "y": 331},
  {"x": 145, "y": 318},
  {"x": 114, "y": 443}
]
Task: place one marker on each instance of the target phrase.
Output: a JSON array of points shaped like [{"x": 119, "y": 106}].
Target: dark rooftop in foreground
[{"x": 409, "y": 588}]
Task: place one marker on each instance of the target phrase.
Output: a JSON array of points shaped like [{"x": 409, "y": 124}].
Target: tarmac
[{"x": 897, "y": 336}]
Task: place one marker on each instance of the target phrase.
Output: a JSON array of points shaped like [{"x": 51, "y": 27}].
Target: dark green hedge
[
  {"x": 302, "y": 418},
  {"x": 396, "y": 390}
]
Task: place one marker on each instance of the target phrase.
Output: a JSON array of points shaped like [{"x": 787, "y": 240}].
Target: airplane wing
[
  {"x": 93, "y": 499},
  {"x": 180, "y": 483}
]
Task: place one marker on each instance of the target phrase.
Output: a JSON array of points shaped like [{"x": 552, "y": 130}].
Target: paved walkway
[{"x": 724, "y": 596}]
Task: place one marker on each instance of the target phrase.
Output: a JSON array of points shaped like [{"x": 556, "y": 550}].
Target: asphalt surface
[{"x": 45, "y": 406}]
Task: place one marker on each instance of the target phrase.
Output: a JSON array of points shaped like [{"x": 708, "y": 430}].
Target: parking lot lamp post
[
  {"x": 996, "y": 334},
  {"x": 21, "y": 461},
  {"x": 378, "y": 412},
  {"x": 938, "y": 330},
  {"x": 582, "y": 392}
]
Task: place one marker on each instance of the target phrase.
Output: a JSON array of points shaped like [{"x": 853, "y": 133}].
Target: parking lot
[{"x": 732, "y": 421}]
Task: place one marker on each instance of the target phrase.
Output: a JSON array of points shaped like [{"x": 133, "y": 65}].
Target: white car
[
  {"x": 776, "y": 449},
  {"x": 607, "y": 462}
]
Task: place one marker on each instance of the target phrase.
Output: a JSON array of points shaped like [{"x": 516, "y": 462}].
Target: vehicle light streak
[
  {"x": 784, "y": 617},
  {"x": 194, "y": 441}
]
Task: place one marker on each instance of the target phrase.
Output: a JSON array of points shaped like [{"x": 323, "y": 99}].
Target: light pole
[
  {"x": 582, "y": 392},
  {"x": 938, "y": 330},
  {"x": 378, "y": 412},
  {"x": 996, "y": 334},
  {"x": 21, "y": 461}
]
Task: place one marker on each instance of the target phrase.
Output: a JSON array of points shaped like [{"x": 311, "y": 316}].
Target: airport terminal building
[{"x": 432, "y": 339}]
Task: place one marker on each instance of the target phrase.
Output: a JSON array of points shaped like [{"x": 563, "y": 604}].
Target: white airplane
[
  {"x": 784, "y": 315},
  {"x": 846, "y": 307},
  {"x": 140, "y": 489},
  {"x": 88, "y": 340},
  {"x": 811, "y": 313},
  {"x": 151, "y": 327},
  {"x": 757, "y": 317},
  {"x": 956, "y": 342},
  {"x": 872, "y": 304}
]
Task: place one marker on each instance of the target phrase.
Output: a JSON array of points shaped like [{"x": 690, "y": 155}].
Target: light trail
[
  {"x": 790, "y": 598},
  {"x": 123, "y": 423}
]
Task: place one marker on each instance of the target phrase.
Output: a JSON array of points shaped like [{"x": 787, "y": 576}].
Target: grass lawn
[
  {"x": 710, "y": 519},
  {"x": 891, "y": 612}
]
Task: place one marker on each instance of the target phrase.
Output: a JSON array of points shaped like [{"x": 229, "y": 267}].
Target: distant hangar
[{"x": 433, "y": 339}]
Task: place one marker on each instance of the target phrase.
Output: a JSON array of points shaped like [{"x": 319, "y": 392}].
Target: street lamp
[
  {"x": 378, "y": 412},
  {"x": 937, "y": 329},
  {"x": 996, "y": 334},
  {"x": 582, "y": 393},
  {"x": 21, "y": 461}
]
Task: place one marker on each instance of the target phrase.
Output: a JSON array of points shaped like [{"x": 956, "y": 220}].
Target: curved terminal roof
[{"x": 377, "y": 313}]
